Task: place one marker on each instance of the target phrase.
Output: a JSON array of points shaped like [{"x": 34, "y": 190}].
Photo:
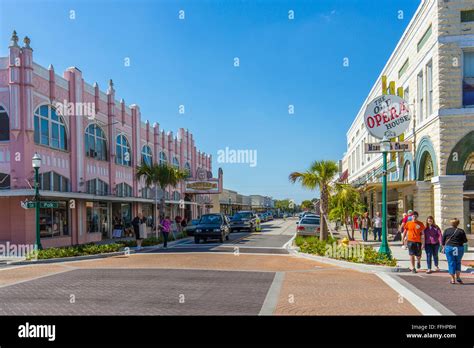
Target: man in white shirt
[{"x": 377, "y": 225}]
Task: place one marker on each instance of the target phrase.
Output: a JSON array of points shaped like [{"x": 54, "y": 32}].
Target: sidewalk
[{"x": 404, "y": 259}]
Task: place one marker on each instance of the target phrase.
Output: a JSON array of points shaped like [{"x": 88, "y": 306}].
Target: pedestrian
[
  {"x": 184, "y": 223},
  {"x": 413, "y": 232},
  {"x": 406, "y": 217},
  {"x": 453, "y": 242},
  {"x": 138, "y": 224},
  {"x": 364, "y": 225},
  {"x": 356, "y": 222},
  {"x": 165, "y": 230},
  {"x": 433, "y": 238},
  {"x": 377, "y": 226}
]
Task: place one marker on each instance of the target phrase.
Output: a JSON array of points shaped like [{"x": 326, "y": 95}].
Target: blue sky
[{"x": 190, "y": 62}]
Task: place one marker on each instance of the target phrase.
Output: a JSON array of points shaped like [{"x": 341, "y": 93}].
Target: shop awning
[{"x": 390, "y": 185}]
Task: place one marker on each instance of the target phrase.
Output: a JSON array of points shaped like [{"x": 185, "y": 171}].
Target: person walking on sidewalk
[
  {"x": 433, "y": 238},
  {"x": 453, "y": 243},
  {"x": 377, "y": 225},
  {"x": 406, "y": 217},
  {"x": 414, "y": 237},
  {"x": 138, "y": 227},
  {"x": 165, "y": 229},
  {"x": 364, "y": 225}
]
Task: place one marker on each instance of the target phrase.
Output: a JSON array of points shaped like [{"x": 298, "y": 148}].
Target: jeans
[
  {"x": 431, "y": 253},
  {"x": 165, "y": 239},
  {"x": 454, "y": 256},
  {"x": 365, "y": 231},
  {"x": 377, "y": 233}
]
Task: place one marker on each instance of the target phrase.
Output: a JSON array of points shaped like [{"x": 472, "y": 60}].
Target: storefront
[
  {"x": 98, "y": 218},
  {"x": 54, "y": 222}
]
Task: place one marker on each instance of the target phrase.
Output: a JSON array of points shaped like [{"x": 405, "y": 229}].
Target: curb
[
  {"x": 345, "y": 264},
  {"x": 91, "y": 257}
]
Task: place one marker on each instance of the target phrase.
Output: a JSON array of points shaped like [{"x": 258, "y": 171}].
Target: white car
[{"x": 308, "y": 226}]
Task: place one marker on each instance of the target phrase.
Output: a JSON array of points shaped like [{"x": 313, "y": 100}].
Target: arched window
[
  {"x": 407, "y": 171},
  {"x": 4, "y": 125},
  {"x": 50, "y": 129},
  {"x": 187, "y": 168},
  {"x": 147, "y": 156},
  {"x": 167, "y": 195},
  {"x": 4, "y": 181},
  {"x": 96, "y": 143},
  {"x": 123, "y": 155},
  {"x": 51, "y": 181},
  {"x": 124, "y": 190},
  {"x": 97, "y": 187},
  {"x": 163, "y": 159},
  {"x": 175, "y": 163}
]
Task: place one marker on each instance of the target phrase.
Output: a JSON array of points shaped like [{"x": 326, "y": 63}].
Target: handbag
[{"x": 442, "y": 251}]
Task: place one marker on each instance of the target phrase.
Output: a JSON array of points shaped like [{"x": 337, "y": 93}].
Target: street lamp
[
  {"x": 36, "y": 163},
  {"x": 385, "y": 148}
]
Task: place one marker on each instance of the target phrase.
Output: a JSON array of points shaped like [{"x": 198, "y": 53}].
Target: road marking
[
  {"x": 271, "y": 300},
  {"x": 422, "y": 302}
]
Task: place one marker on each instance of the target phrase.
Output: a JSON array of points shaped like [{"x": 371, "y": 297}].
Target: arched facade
[{"x": 425, "y": 154}]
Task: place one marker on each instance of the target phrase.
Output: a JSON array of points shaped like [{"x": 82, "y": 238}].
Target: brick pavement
[{"x": 318, "y": 289}]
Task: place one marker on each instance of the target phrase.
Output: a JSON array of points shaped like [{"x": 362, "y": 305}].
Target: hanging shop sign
[
  {"x": 387, "y": 115},
  {"x": 401, "y": 146}
]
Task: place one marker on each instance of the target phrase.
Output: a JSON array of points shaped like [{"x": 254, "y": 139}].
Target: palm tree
[
  {"x": 318, "y": 176},
  {"x": 344, "y": 204},
  {"x": 160, "y": 176}
]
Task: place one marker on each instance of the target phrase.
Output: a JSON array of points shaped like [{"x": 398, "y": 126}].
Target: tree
[
  {"x": 307, "y": 204},
  {"x": 160, "y": 176},
  {"x": 318, "y": 176},
  {"x": 344, "y": 204},
  {"x": 283, "y": 204}
]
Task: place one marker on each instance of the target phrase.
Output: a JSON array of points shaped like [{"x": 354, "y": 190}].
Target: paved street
[
  {"x": 214, "y": 279},
  {"x": 204, "y": 279}
]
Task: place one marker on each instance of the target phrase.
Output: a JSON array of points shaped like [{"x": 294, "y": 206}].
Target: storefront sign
[
  {"x": 387, "y": 115},
  {"x": 394, "y": 147},
  {"x": 202, "y": 186}
]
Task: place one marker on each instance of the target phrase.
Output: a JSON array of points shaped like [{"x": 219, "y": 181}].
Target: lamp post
[
  {"x": 36, "y": 162},
  {"x": 385, "y": 148}
]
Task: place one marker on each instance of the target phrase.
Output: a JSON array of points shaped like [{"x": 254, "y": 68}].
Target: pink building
[{"x": 90, "y": 144}]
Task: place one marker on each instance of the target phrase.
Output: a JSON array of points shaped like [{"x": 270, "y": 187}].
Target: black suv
[
  {"x": 243, "y": 220},
  {"x": 212, "y": 226}
]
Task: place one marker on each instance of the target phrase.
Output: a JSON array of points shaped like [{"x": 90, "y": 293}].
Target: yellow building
[{"x": 432, "y": 67}]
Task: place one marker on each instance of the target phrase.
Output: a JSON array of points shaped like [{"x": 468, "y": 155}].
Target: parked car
[
  {"x": 191, "y": 227},
  {"x": 243, "y": 220},
  {"x": 308, "y": 226},
  {"x": 269, "y": 216},
  {"x": 212, "y": 226}
]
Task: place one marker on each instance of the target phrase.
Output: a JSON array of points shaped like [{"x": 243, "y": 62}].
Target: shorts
[{"x": 414, "y": 248}]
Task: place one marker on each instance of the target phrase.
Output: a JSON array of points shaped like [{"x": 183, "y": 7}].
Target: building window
[
  {"x": 124, "y": 190},
  {"x": 424, "y": 38},
  {"x": 147, "y": 193},
  {"x": 187, "y": 168},
  {"x": 4, "y": 181},
  {"x": 468, "y": 79},
  {"x": 123, "y": 155},
  {"x": 97, "y": 218},
  {"x": 147, "y": 156},
  {"x": 175, "y": 163},
  {"x": 467, "y": 16},
  {"x": 4, "y": 125},
  {"x": 50, "y": 129},
  {"x": 429, "y": 89},
  {"x": 52, "y": 181},
  {"x": 97, "y": 187},
  {"x": 420, "y": 96},
  {"x": 96, "y": 143},
  {"x": 176, "y": 196},
  {"x": 403, "y": 68},
  {"x": 163, "y": 159}
]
